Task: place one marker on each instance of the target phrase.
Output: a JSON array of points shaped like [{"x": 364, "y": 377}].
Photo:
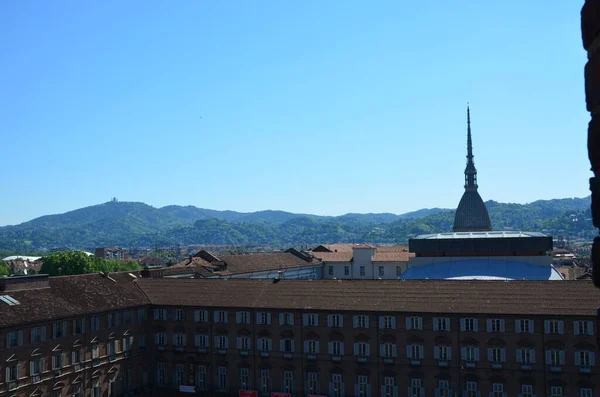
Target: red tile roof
[
  {"x": 333, "y": 256},
  {"x": 248, "y": 263},
  {"x": 334, "y": 248},
  {"x": 392, "y": 256},
  {"x": 428, "y": 296},
  {"x": 391, "y": 253},
  {"x": 237, "y": 264}
]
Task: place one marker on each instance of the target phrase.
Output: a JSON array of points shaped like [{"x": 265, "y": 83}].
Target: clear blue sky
[{"x": 322, "y": 107}]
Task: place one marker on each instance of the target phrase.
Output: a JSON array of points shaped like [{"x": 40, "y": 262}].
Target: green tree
[
  {"x": 76, "y": 262},
  {"x": 4, "y": 270}
]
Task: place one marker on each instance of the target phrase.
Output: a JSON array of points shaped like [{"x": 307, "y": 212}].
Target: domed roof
[{"x": 471, "y": 214}]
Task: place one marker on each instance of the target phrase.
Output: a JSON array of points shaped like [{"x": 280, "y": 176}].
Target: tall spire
[
  {"x": 471, "y": 214},
  {"x": 470, "y": 170}
]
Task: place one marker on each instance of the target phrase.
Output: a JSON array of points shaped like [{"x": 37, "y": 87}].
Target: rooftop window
[{"x": 9, "y": 300}]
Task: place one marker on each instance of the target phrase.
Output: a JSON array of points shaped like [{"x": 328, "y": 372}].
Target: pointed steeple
[
  {"x": 471, "y": 214},
  {"x": 470, "y": 170}
]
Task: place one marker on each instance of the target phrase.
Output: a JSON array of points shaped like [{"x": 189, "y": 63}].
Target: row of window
[
  {"x": 337, "y": 384},
  {"x": 60, "y": 359},
  {"x": 387, "y": 350},
  {"x": 387, "y": 321},
  {"x": 363, "y": 271},
  {"x": 78, "y": 326}
]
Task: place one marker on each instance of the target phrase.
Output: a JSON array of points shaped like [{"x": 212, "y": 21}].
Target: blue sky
[{"x": 322, "y": 107}]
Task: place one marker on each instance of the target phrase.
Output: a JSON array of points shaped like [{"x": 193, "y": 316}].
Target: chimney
[{"x": 145, "y": 273}]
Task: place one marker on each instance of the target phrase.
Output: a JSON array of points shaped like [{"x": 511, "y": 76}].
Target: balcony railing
[
  {"x": 415, "y": 362},
  {"x": 336, "y": 358},
  {"x": 496, "y": 365},
  {"x": 244, "y": 352},
  {"x": 288, "y": 355},
  {"x": 36, "y": 378},
  {"x": 361, "y": 359},
  {"x": 222, "y": 352},
  {"x": 443, "y": 363},
  {"x": 388, "y": 360},
  {"x": 585, "y": 370},
  {"x": 202, "y": 350},
  {"x": 311, "y": 356},
  {"x": 555, "y": 368},
  {"x": 13, "y": 385},
  {"x": 77, "y": 367}
]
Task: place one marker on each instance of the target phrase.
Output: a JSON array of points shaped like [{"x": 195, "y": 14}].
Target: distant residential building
[
  {"x": 111, "y": 253},
  {"x": 20, "y": 265},
  {"x": 562, "y": 257},
  {"x": 21, "y": 258},
  {"x": 362, "y": 261}
]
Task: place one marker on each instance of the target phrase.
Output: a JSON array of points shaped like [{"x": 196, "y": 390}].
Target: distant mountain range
[{"x": 129, "y": 224}]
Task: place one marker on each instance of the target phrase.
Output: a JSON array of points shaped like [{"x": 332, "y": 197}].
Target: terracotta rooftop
[
  {"x": 392, "y": 256},
  {"x": 333, "y": 256},
  {"x": 72, "y": 296},
  {"x": 247, "y": 263},
  {"x": 428, "y": 296},
  {"x": 333, "y": 248},
  {"x": 385, "y": 253},
  {"x": 235, "y": 264}
]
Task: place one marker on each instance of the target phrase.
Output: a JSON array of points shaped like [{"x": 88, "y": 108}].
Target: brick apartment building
[{"x": 119, "y": 334}]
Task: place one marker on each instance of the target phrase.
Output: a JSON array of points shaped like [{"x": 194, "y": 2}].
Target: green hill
[{"x": 138, "y": 224}]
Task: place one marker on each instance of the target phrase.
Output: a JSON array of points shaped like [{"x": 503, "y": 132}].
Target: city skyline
[{"x": 307, "y": 108}]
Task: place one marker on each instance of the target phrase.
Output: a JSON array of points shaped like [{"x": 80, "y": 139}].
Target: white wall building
[{"x": 362, "y": 261}]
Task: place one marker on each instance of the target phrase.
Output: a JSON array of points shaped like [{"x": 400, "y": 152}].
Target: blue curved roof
[{"x": 483, "y": 269}]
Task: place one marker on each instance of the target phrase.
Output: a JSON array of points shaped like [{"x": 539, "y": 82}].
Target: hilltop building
[{"x": 473, "y": 250}]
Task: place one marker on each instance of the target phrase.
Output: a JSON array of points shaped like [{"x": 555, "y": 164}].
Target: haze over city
[{"x": 307, "y": 107}]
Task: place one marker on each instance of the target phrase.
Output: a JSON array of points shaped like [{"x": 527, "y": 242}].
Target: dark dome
[{"x": 471, "y": 214}]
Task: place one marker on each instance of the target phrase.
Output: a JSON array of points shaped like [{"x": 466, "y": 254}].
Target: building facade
[
  {"x": 138, "y": 336},
  {"x": 73, "y": 336},
  {"x": 362, "y": 261}
]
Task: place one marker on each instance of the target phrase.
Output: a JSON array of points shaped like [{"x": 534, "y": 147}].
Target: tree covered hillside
[{"x": 138, "y": 224}]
